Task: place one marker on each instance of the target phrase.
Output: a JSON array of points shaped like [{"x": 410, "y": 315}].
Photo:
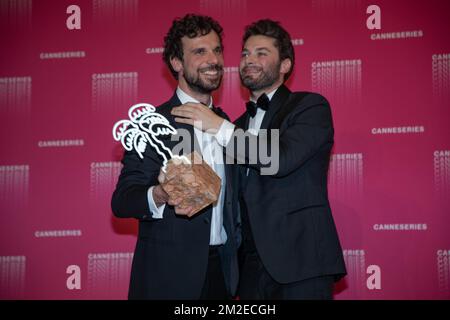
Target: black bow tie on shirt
[{"x": 263, "y": 103}]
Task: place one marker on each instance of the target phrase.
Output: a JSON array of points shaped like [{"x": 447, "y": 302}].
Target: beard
[
  {"x": 265, "y": 80},
  {"x": 204, "y": 86}
]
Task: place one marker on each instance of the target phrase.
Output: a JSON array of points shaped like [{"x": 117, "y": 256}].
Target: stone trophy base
[{"x": 196, "y": 183}]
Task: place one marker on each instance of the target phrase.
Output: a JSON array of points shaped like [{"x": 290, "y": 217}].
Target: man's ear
[
  {"x": 286, "y": 65},
  {"x": 176, "y": 64}
]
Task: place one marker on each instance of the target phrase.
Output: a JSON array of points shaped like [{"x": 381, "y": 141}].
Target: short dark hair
[
  {"x": 191, "y": 25},
  {"x": 273, "y": 29}
]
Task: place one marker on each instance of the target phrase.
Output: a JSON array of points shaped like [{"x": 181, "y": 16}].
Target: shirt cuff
[
  {"x": 225, "y": 132},
  {"x": 157, "y": 212}
]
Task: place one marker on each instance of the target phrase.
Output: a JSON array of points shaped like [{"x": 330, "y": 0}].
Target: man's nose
[
  {"x": 212, "y": 58},
  {"x": 249, "y": 59}
]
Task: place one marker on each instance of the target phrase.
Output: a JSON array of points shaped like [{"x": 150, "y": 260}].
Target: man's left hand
[{"x": 199, "y": 116}]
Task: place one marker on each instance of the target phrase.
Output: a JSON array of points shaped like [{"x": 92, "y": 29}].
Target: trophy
[{"x": 187, "y": 177}]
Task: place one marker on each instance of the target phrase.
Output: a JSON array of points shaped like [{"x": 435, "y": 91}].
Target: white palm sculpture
[{"x": 144, "y": 126}]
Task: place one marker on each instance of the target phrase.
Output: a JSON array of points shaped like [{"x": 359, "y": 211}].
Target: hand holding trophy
[{"x": 188, "y": 178}]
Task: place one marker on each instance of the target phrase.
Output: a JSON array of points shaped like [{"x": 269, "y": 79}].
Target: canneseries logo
[
  {"x": 441, "y": 76},
  {"x": 103, "y": 178},
  {"x": 61, "y": 143},
  {"x": 341, "y": 80},
  {"x": 443, "y": 269},
  {"x": 345, "y": 178},
  {"x": 62, "y": 55},
  {"x": 57, "y": 233},
  {"x": 415, "y": 129},
  {"x": 113, "y": 91},
  {"x": 109, "y": 270},
  {"x": 400, "y": 227}
]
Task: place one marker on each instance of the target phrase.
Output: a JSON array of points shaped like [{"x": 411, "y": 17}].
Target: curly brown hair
[
  {"x": 191, "y": 26},
  {"x": 273, "y": 29}
]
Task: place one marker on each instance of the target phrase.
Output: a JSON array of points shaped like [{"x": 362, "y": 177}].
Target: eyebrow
[
  {"x": 204, "y": 48},
  {"x": 258, "y": 49},
  {"x": 197, "y": 48}
]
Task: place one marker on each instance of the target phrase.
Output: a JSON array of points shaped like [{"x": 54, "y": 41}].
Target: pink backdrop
[{"x": 62, "y": 90}]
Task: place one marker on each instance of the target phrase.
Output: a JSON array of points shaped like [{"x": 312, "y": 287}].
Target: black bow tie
[{"x": 263, "y": 103}]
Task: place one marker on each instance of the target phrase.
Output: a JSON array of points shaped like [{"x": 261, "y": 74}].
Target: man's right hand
[{"x": 160, "y": 196}]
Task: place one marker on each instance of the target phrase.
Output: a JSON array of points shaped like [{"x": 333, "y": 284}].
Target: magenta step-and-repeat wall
[{"x": 70, "y": 69}]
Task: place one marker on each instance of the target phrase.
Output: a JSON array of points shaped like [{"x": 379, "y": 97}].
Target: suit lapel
[
  {"x": 278, "y": 100},
  {"x": 227, "y": 214},
  {"x": 243, "y": 121},
  {"x": 194, "y": 143},
  {"x": 246, "y": 121}
]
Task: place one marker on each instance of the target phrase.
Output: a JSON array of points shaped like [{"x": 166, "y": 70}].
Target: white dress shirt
[{"x": 213, "y": 155}]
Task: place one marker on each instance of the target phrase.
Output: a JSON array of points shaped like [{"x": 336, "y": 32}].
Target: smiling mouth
[
  {"x": 251, "y": 74},
  {"x": 211, "y": 73},
  {"x": 251, "y": 71}
]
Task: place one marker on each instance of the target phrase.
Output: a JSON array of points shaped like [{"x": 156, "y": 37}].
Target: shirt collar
[
  {"x": 269, "y": 95},
  {"x": 185, "y": 98}
]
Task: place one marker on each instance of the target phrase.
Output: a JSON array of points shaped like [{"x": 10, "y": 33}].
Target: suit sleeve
[
  {"x": 130, "y": 199},
  {"x": 309, "y": 129}
]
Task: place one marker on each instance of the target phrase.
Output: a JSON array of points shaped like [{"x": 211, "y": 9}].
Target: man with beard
[
  {"x": 290, "y": 247},
  {"x": 177, "y": 257}
]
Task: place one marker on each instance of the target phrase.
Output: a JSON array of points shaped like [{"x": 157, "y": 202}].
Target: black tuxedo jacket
[
  {"x": 289, "y": 212},
  {"x": 171, "y": 253}
]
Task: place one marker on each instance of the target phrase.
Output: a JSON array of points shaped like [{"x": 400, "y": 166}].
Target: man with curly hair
[{"x": 178, "y": 257}]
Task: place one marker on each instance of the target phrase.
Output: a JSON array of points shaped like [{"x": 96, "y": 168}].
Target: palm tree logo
[{"x": 145, "y": 126}]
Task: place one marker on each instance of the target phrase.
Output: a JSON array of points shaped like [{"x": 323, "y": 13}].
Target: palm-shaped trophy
[{"x": 187, "y": 176}]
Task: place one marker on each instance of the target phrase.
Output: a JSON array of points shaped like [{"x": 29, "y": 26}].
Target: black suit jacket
[
  {"x": 289, "y": 212},
  {"x": 171, "y": 253}
]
